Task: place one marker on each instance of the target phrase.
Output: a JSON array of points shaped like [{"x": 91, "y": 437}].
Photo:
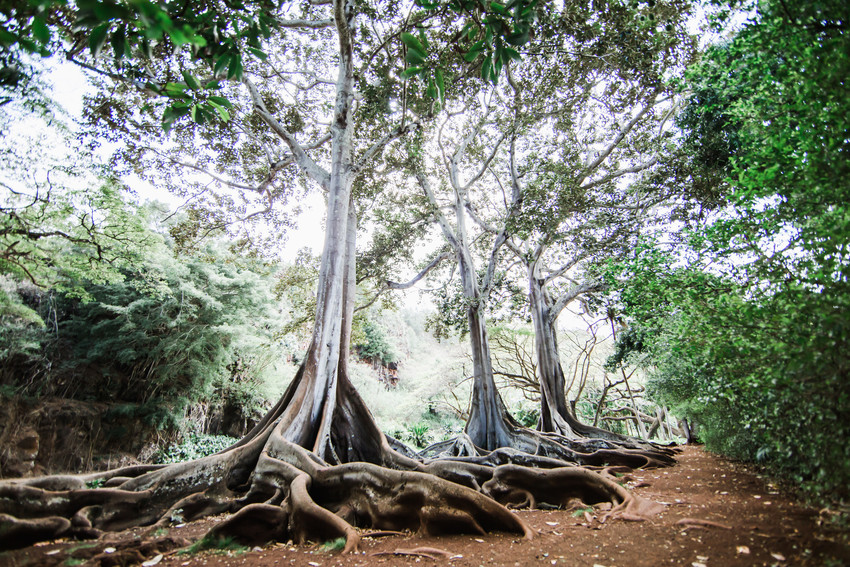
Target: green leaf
[
  {"x": 177, "y": 37},
  {"x": 468, "y": 31},
  {"x": 486, "y": 69},
  {"x": 431, "y": 91},
  {"x": 509, "y": 53},
  {"x": 234, "y": 71},
  {"x": 412, "y": 43},
  {"x": 221, "y": 64},
  {"x": 98, "y": 38},
  {"x": 518, "y": 37},
  {"x": 7, "y": 38},
  {"x": 264, "y": 28},
  {"x": 105, "y": 11},
  {"x": 259, "y": 54},
  {"x": 40, "y": 30},
  {"x": 175, "y": 88},
  {"x": 221, "y": 101},
  {"x": 191, "y": 81},
  {"x": 86, "y": 20},
  {"x": 146, "y": 48},
  {"x": 173, "y": 113},
  {"x": 474, "y": 51},
  {"x": 27, "y": 44},
  {"x": 222, "y": 112},
  {"x": 194, "y": 114},
  {"x": 413, "y": 58},
  {"x": 119, "y": 43},
  {"x": 410, "y": 72},
  {"x": 498, "y": 8}
]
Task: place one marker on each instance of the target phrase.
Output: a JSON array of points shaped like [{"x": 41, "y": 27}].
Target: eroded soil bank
[{"x": 717, "y": 514}]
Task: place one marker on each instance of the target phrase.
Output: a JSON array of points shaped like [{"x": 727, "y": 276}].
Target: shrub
[{"x": 195, "y": 446}]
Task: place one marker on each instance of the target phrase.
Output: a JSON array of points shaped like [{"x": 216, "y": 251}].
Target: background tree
[
  {"x": 556, "y": 147},
  {"x": 493, "y": 138},
  {"x": 581, "y": 204}
]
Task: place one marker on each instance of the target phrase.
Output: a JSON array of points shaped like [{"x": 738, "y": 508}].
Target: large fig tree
[{"x": 316, "y": 465}]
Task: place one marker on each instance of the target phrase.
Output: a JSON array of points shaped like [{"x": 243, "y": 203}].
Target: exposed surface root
[
  {"x": 277, "y": 489},
  {"x": 515, "y": 485},
  {"x": 546, "y": 450}
]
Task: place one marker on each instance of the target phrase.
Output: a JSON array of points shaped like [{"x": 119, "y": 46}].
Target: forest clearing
[{"x": 559, "y": 243}]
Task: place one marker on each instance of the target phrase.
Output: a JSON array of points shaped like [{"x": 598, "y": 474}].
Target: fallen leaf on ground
[{"x": 743, "y": 549}]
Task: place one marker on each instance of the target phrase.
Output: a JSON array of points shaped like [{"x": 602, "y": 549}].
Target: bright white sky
[{"x": 71, "y": 84}]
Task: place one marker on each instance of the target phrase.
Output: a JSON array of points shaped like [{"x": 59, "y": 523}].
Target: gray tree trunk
[{"x": 556, "y": 415}]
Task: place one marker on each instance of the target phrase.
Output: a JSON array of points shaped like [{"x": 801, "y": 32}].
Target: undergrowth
[
  {"x": 333, "y": 545},
  {"x": 223, "y": 545},
  {"x": 194, "y": 446}
]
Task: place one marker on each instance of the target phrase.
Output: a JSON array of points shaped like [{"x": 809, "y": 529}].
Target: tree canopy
[{"x": 745, "y": 323}]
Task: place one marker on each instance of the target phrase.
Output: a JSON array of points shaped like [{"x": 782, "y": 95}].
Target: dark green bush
[{"x": 194, "y": 446}]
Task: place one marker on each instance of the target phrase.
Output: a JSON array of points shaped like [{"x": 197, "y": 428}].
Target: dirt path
[{"x": 750, "y": 523}]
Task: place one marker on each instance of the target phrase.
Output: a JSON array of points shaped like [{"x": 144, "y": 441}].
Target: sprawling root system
[{"x": 350, "y": 478}]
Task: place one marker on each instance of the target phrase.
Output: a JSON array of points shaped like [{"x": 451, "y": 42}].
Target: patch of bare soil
[{"x": 717, "y": 513}]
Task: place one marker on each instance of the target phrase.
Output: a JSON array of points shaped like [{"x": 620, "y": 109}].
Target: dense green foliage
[
  {"x": 374, "y": 345},
  {"x": 194, "y": 446},
  {"x": 747, "y": 327},
  {"x": 174, "y": 332},
  {"x": 125, "y": 39},
  {"x": 63, "y": 217}
]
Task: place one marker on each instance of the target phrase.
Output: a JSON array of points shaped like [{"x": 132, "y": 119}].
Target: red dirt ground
[{"x": 755, "y": 523}]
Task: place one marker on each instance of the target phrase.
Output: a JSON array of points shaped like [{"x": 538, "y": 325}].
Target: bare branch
[
  {"x": 433, "y": 264},
  {"x": 304, "y": 161},
  {"x": 445, "y": 226},
  {"x": 305, "y": 24},
  {"x": 624, "y": 131},
  {"x": 572, "y": 294},
  {"x": 373, "y": 150},
  {"x": 486, "y": 165},
  {"x": 621, "y": 172}
]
